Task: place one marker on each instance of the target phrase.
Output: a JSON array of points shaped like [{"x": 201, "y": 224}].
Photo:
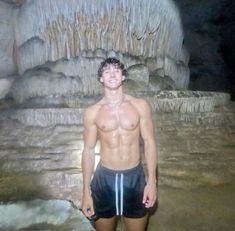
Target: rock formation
[{"x": 68, "y": 40}]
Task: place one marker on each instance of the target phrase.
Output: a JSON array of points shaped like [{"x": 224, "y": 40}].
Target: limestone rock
[
  {"x": 31, "y": 215},
  {"x": 44, "y": 116},
  {"x": 178, "y": 72},
  {"x": 7, "y": 43},
  {"x": 148, "y": 30},
  {"x": 41, "y": 83},
  {"x": 84, "y": 67},
  {"x": 5, "y": 85},
  {"x": 14, "y": 2},
  {"x": 189, "y": 101},
  {"x": 139, "y": 73}
]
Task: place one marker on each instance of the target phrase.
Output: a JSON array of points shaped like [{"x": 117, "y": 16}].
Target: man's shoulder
[
  {"x": 92, "y": 108},
  {"x": 141, "y": 105},
  {"x": 136, "y": 100},
  {"x": 91, "y": 112}
]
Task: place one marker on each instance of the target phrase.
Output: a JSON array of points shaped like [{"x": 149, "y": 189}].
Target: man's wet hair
[{"x": 111, "y": 61}]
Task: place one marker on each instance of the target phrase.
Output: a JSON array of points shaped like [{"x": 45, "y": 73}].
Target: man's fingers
[
  {"x": 149, "y": 202},
  {"x": 144, "y": 197},
  {"x": 88, "y": 211}
]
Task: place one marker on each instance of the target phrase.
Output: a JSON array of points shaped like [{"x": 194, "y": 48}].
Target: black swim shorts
[{"x": 118, "y": 192}]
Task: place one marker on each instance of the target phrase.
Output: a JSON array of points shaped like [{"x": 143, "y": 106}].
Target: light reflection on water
[{"x": 42, "y": 215}]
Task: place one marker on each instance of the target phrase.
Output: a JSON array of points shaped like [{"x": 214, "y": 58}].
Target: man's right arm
[{"x": 88, "y": 160}]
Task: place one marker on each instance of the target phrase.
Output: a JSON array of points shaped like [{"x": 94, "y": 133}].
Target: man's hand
[
  {"x": 150, "y": 195},
  {"x": 87, "y": 206}
]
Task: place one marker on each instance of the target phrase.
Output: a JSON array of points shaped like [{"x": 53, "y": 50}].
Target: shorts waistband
[{"x": 112, "y": 171}]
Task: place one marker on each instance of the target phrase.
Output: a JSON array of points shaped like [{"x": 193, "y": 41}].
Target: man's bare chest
[{"x": 125, "y": 118}]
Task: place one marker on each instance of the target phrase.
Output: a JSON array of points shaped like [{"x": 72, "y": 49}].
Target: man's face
[{"x": 112, "y": 76}]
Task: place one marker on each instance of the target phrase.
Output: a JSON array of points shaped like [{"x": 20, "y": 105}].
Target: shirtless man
[{"x": 119, "y": 186}]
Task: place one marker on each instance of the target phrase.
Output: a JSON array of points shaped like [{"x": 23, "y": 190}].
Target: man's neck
[{"x": 114, "y": 98}]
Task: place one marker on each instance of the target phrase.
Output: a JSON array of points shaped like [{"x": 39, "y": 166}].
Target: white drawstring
[
  {"x": 117, "y": 193},
  {"x": 121, "y": 188}
]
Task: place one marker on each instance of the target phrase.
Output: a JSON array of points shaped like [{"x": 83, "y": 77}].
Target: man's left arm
[{"x": 147, "y": 133}]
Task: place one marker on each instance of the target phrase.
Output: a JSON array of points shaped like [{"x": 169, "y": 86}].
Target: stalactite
[
  {"x": 148, "y": 28},
  {"x": 72, "y": 39}
]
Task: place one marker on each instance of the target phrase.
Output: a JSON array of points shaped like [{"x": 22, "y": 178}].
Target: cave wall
[
  {"x": 58, "y": 30},
  {"x": 209, "y": 27},
  {"x": 61, "y": 32},
  {"x": 63, "y": 44},
  {"x": 227, "y": 31},
  {"x": 7, "y": 45},
  {"x": 7, "y": 64}
]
